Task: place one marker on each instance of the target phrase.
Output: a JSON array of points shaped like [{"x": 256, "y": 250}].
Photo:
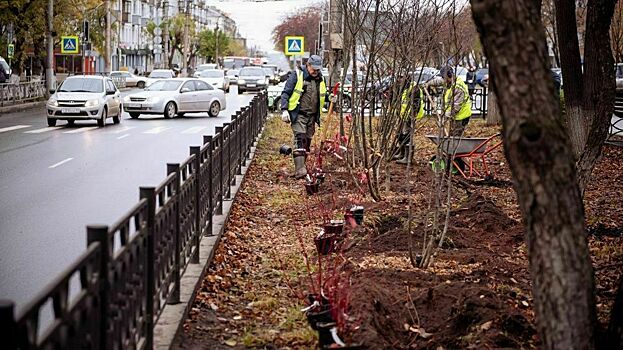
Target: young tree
[
  {"x": 589, "y": 88},
  {"x": 207, "y": 44},
  {"x": 542, "y": 162},
  {"x": 303, "y": 22}
]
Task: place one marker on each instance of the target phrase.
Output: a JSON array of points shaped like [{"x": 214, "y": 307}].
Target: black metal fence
[
  {"x": 132, "y": 269},
  {"x": 22, "y": 92}
]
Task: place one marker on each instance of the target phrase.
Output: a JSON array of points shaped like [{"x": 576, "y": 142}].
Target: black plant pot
[
  {"x": 357, "y": 213},
  {"x": 325, "y": 243},
  {"x": 312, "y": 188},
  {"x": 335, "y": 227},
  {"x": 320, "y": 177},
  {"x": 325, "y": 339},
  {"x": 322, "y": 316},
  {"x": 285, "y": 150}
]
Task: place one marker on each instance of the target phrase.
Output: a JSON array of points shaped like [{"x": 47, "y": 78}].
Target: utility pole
[
  {"x": 165, "y": 34},
  {"x": 49, "y": 71},
  {"x": 107, "y": 39},
  {"x": 185, "y": 52},
  {"x": 216, "y": 40}
]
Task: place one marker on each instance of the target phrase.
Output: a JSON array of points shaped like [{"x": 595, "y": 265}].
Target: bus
[{"x": 235, "y": 62}]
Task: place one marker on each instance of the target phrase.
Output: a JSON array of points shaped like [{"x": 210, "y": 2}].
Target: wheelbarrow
[{"x": 465, "y": 152}]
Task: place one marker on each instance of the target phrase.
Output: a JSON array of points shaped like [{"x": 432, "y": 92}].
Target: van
[{"x": 6, "y": 68}]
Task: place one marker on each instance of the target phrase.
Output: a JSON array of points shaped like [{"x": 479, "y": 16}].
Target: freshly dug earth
[{"x": 475, "y": 295}]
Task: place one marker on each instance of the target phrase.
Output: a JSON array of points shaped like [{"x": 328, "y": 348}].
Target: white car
[
  {"x": 176, "y": 96},
  {"x": 130, "y": 79},
  {"x": 84, "y": 97},
  {"x": 202, "y": 67},
  {"x": 159, "y": 74},
  {"x": 216, "y": 78}
]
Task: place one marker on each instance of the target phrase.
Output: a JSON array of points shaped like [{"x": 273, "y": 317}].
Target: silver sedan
[{"x": 173, "y": 97}]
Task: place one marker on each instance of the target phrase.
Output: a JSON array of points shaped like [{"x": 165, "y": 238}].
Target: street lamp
[{"x": 216, "y": 41}]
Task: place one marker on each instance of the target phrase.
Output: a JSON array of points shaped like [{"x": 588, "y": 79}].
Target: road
[{"x": 55, "y": 181}]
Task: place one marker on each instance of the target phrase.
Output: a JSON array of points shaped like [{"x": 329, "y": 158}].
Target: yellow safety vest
[
  {"x": 466, "y": 108},
  {"x": 406, "y": 100},
  {"x": 293, "y": 102}
]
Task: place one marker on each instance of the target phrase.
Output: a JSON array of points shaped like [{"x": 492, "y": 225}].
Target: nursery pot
[
  {"x": 320, "y": 177},
  {"x": 357, "y": 212},
  {"x": 325, "y": 243},
  {"x": 325, "y": 339},
  {"x": 285, "y": 150},
  {"x": 322, "y": 316},
  {"x": 335, "y": 227},
  {"x": 312, "y": 188}
]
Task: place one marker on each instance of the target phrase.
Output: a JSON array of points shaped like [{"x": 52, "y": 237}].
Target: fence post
[
  {"x": 99, "y": 233},
  {"x": 174, "y": 297},
  {"x": 219, "y": 131},
  {"x": 208, "y": 140},
  {"x": 8, "y": 324},
  {"x": 149, "y": 193},
  {"x": 196, "y": 150},
  {"x": 241, "y": 135},
  {"x": 484, "y": 102}
]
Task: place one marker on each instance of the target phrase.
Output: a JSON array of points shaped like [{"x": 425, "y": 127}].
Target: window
[
  {"x": 189, "y": 85},
  {"x": 202, "y": 85},
  {"x": 110, "y": 86}
]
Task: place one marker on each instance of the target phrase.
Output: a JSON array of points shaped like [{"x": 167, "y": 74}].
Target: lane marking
[
  {"x": 156, "y": 130},
  {"x": 123, "y": 129},
  {"x": 194, "y": 130},
  {"x": 123, "y": 136},
  {"x": 16, "y": 127},
  {"x": 42, "y": 130},
  {"x": 80, "y": 130},
  {"x": 60, "y": 163}
]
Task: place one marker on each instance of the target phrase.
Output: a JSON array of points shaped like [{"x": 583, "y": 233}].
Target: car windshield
[
  {"x": 204, "y": 67},
  {"x": 165, "y": 85},
  {"x": 160, "y": 75},
  {"x": 251, "y": 72},
  {"x": 232, "y": 72},
  {"x": 82, "y": 85},
  {"x": 211, "y": 74}
]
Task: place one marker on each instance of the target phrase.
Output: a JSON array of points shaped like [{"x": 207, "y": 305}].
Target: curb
[
  {"x": 21, "y": 107},
  {"x": 173, "y": 316}
]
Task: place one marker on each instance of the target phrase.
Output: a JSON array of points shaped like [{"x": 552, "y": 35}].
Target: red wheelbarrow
[{"x": 467, "y": 151}]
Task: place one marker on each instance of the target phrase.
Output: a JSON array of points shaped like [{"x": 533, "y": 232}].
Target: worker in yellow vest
[
  {"x": 302, "y": 100},
  {"x": 458, "y": 104},
  {"x": 411, "y": 97}
]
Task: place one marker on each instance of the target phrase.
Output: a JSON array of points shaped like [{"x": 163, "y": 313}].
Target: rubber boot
[
  {"x": 405, "y": 159},
  {"x": 299, "y": 163}
]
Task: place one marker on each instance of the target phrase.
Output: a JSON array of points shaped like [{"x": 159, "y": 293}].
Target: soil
[{"x": 475, "y": 295}]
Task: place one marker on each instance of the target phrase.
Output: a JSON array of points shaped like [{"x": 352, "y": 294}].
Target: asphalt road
[{"x": 55, "y": 181}]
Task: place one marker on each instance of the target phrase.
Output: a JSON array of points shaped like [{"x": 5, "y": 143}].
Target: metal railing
[
  {"x": 132, "y": 269},
  {"x": 12, "y": 94}
]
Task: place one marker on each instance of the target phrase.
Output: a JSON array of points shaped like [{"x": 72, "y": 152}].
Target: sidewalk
[{"x": 22, "y": 107}]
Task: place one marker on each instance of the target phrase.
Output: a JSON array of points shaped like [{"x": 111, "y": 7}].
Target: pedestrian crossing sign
[
  {"x": 69, "y": 44},
  {"x": 295, "y": 45},
  {"x": 10, "y": 51}
]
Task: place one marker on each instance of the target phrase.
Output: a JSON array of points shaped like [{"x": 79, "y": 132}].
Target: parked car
[
  {"x": 482, "y": 77},
  {"x": 461, "y": 72},
  {"x": 159, "y": 74},
  {"x": 202, "y": 67},
  {"x": 232, "y": 75},
  {"x": 85, "y": 97},
  {"x": 274, "y": 96},
  {"x": 251, "y": 79},
  {"x": 130, "y": 79},
  {"x": 176, "y": 96},
  {"x": 274, "y": 76},
  {"x": 269, "y": 75},
  {"x": 216, "y": 78}
]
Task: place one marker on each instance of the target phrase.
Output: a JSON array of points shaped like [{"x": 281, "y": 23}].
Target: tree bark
[
  {"x": 615, "y": 327},
  {"x": 542, "y": 163},
  {"x": 493, "y": 112}
]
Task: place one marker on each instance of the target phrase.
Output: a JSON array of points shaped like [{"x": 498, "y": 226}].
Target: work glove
[
  {"x": 285, "y": 116},
  {"x": 333, "y": 98}
]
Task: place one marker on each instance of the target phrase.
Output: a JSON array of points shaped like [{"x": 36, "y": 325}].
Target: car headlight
[
  {"x": 153, "y": 99},
  {"x": 241, "y": 81},
  {"x": 126, "y": 99},
  {"x": 53, "y": 102},
  {"x": 92, "y": 103}
]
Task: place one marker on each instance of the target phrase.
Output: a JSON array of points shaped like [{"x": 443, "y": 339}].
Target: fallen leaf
[
  {"x": 485, "y": 326},
  {"x": 524, "y": 303},
  {"x": 231, "y": 343},
  {"x": 237, "y": 317}
]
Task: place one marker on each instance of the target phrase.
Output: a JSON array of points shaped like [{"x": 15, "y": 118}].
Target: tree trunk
[
  {"x": 615, "y": 327},
  {"x": 542, "y": 163},
  {"x": 493, "y": 113},
  {"x": 588, "y": 97}
]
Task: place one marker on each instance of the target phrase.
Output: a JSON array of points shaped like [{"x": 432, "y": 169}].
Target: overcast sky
[{"x": 256, "y": 20}]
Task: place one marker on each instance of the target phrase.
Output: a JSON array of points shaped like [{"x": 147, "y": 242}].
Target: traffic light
[{"x": 85, "y": 31}]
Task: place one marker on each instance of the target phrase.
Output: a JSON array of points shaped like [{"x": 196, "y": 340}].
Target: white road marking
[
  {"x": 39, "y": 131},
  {"x": 156, "y": 130},
  {"x": 194, "y": 130},
  {"x": 123, "y": 129},
  {"x": 16, "y": 127},
  {"x": 60, "y": 163},
  {"x": 123, "y": 136},
  {"x": 80, "y": 130}
]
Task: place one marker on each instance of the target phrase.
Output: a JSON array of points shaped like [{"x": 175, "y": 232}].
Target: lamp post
[
  {"x": 49, "y": 71},
  {"x": 216, "y": 40},
  {"x": 185, "y": 5},
  {"x": 165, "y": 34}
]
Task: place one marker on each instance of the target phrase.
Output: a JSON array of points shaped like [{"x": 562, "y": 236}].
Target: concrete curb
[
  {"x": 21, "y": 107},
  {"x": 173, "y": 316}
]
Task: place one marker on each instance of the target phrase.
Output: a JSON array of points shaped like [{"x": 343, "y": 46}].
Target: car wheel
[
  {"x": 140, "y": 84},
  {"x": 51, "y": 122},
  {"x": 70, "y": 122},
  {"x": 181, "y": 115},
  {"x": 134, "y": 115},
  {"x": 215, "y": 109},
  {"x": 102, "y": 121},
  {"x": 170, "y": 110},
  {"x": 240, "y": 91},
  {"x": 117, "y": 119}
]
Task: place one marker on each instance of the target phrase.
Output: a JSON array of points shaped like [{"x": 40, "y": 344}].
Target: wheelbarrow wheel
[{"x": 441, "y": 165}]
